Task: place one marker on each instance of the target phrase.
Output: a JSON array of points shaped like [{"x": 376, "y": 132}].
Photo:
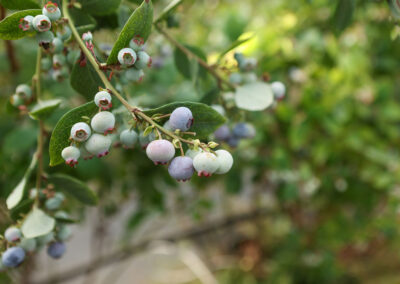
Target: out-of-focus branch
[
  {"x": 129, "y": 251},
  {"x": 14, "y": 66}
]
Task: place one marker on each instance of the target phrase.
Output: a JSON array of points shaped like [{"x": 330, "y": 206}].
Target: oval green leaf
[
  {"x": 75, "y": 188},
  {"x": 139, "y": 24},
  {"x": 37, "y": 224},
  {"x": 44, "y": 109},
  {"x": 9, "y": 27},
  {"x": 19, "y": 4},
  {"x": 60, "y": 136},
  {"x": 100, "y": 7},
  {"x": 85, "y": 80},
  {"x": 206, "y": 119},
  {"x": 83, "y": 21},
  {"x": 254, "y": 97}
]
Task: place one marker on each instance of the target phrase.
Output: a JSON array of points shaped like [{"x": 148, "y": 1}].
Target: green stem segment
[{"x": 134, "y": 110}]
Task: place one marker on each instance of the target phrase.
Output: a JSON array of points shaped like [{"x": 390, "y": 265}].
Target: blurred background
[{"x": 313, "y": 198}]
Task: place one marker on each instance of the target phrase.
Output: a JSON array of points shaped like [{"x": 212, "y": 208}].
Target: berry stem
[{"x": 39, "y": 156}]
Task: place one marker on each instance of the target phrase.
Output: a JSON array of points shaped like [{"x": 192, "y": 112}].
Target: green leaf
[
  {"x": 83, "y": 21},
  {"x": 60, "y": 136},
  {"x": 343, "y": 14},
  {"x": 19, "y": 191},
  {"x": 19, "y": 4},
  {"x": 22, "y": 208},
  {"x": 37, "y": 223},
  {"x": 171, "y": 6},
  {"x": 235, "y": 44},
  {"x": 74, "y": 187},
  {"x": 206, "y": 119},
  {"x": 254, "y": 97},
  {"x": 9, "y": 27},
  {"x": 44, "y": 109},
  {"x": 139, "y": 24},
  {"x": 100, "y": 7},
  {"x": 189, "y": 68},
  {"x": 85, "y": 80}
]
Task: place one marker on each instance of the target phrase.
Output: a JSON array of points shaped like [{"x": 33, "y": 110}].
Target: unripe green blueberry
[
  {"x": 192, "y": 153},
  {"x": 12, "y": 234},
  {"x": 127, "y": 57},
  {"x": 225, "y": 161},
  {"x": 65, "y": 33},
  {"x": 59, "y": 61},
  {"x": 41, "y": 23},
  {"x": 13, "y": 257},
  {"x": 87, "y": 36},
  {"x": 28, "y": 245},
  {"x": 16, "y": 100},
  {"x": 103, "y": 100},
  {"x": 181, "y": 118},
  {"x": 44, "y": 38},
  {"x": 56, "y": 250},
  {"x": 61, "y": 215},
  {"x": 128, "y": 138},
  {"x": 45, "y": 239},
  {"x": 73, "y": 56},
  {"x": 24, "y": 91},
  {"x": 26, "y": 23},
  {"x": 145, "y": 140},
  {"x": 143, "y": 60},
  {"x": 52, "y": 11},
  {"x": 160, "y": 151},
  {"x": 57, "y": 45},
  {"x": 134, "y": 75},
  {"x": 103, "y": 122},
  {"x": 239, "y": 57},
  {"x": 236, "y": 78},
  {"x": 46, "y": 64},
  {"x": 181, "y": 168},
  {"x": 71, "y": 155},
  {"x": 80, "y": 132},
  {"x": 53, "y": 203},
  {"x": 98, "y": 145},
  {"x": 59, "y": 75},
  {"x": 63, "y": 233},
  {"x": 205, "y": 164},
  {"x": 59, "y": 196},
  {"x": 136, "y": 43},
  {"x": 248, "y": 64},
  {"x": 223, "y": 133},
  {"x": 249, "y": 77},
  {"x": 279, "y": 90}
]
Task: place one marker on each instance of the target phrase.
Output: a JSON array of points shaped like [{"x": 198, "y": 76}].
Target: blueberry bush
[{"x": 278, "y": 117}]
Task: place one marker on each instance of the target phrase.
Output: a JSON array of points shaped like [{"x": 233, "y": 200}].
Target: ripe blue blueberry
[
  {"x": 57, "y": 46},
  {"x": 13, "y": 257},
  {"x": 279, "y": 90},
  {"x": 127, "y": 57},
  {"x": 136, "y": 43},
  {"x": 181, "y": 168},
  {"x": 160, "y": 151},
  {"x": 80, "y": 132},
  {"x": 134, "y": 75},
  {"x": 223, "y": 133},
  {"x": 56, "y": 250},
  {"x": 233, "y": 141},
  {"x": 143, "y": 60},
  {"x": 244, "y": 130},
  {"x": 44, "y": 38},
  {"x": 103, "y": 100},
  {"x": 24, "y": 91},
  {"x": 128, "y": 138},
  {"x": 41, "y": 23},
  {"x": 98, "y": 145},
  {"x": 205, "y": 164},
  {"x": 26, "y": 23},
  {"x": 225, "y": 161},
  {"x": 52, "y": 11},
  {"x": 181, "y": 118},
  {"x": 71, "y": 155},
  {"x": 103, "y": 122},
  {"x": 28, "y": 245},
  {"x": 12, "y": 234}
]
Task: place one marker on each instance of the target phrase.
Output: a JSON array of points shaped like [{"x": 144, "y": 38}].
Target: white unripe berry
[
  {"x": 225, "y": 161},
  {"x": 41, "y": 23},
  {"x": 145, "y": 140},
  {"x": 71, "y": 155},
  {"x": 160, "y": 151},
  {"x": 12, "y": 234},
  {"x": 127, "y": 57},
  {"x": 134, "y": 75},
  {"x": 136, "y": 43},
  {"x": 103, "y": 100},
  {"x": 205, "y": 164},
  {"x": 103, "y": 122},
  {"x": 24, "y": 91},
  {"x": 44, "y": 38},
  {"x": 16, "y": 100},
  {"x": 279, "y": 90},
  {"x": 128, "y": 138},
  {"x": 65, "y": 33},
  {"x": 98, "y": 145},
  {"x": 28, "y": 245},
  {"x": 143, "y": 60},
  {"x": 87, "y": 36},
  {"x": 80, "y": 132},
  {"x": 191, "y": 153},
  {"x": 26, "y": 23},
  {"x": 52, "y": 11}
]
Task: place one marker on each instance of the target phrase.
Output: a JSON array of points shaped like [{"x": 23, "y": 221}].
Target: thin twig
[{"x": 14, "y": 65}]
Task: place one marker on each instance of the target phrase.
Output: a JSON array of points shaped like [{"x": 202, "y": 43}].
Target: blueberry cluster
[
  {"x": 18, "y": 246},
  {"x": 93, "y": 140},
  {"x": 232, "y": 136},
  {"x": 23, "y": 96},
  {"x": 134, "y": 59}
]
